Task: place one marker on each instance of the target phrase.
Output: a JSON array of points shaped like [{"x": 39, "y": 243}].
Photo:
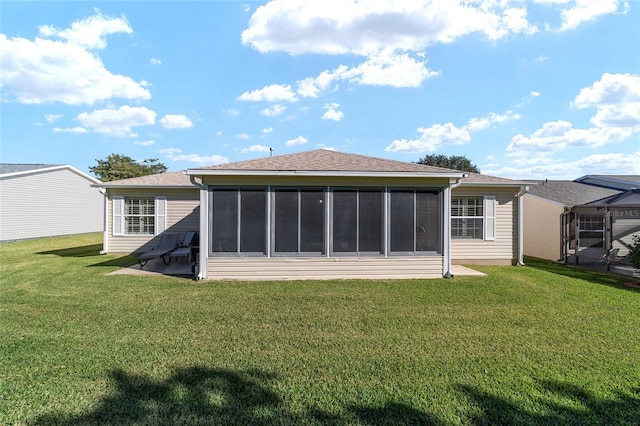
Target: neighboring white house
[
  {"x": 322, "y": 214},
  {"x": 44, "y": 200}
]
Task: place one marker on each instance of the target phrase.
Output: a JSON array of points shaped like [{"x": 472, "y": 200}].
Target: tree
[
  {"x": 456, "y": 162},
  {"x": 634, "y": 252},
  {"x": 116, "y": 167}
]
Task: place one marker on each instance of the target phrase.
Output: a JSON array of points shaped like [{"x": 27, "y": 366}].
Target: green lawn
[{"x": 540, "y": 344}]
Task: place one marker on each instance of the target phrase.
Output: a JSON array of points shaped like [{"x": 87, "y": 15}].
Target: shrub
[{"x": 634, "y": 252}]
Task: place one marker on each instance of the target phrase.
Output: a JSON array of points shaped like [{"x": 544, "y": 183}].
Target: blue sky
[{"x": 525, "y": 89}]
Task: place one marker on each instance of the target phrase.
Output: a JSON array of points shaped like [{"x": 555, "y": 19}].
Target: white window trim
[
  {"x": 488, "y": 218},
  {"x": 160, "y": 212}
]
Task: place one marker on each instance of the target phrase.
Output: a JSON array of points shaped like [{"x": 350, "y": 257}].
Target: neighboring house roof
[
  {"x": 627, "y": 198},
  {"x": 7, "y": 168},
  {"x": 570, "y": 193},
  {"x": 159, "y": 180},
  {"x": 12, "y": 170},
  {"x": 317, "y": 162},
  {"x": 619, "y": 182}
]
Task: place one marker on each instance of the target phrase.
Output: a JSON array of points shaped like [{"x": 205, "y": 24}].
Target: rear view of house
[
  {"x": 322, "y": 214},
  {"x": 41, "y": 200}
]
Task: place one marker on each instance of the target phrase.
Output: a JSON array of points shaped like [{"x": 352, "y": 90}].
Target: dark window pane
[
  {"x": 286, "y": 221},
  {"x": 427, "y": 221},
  {"x": 311, "y": 221},
  {"x": 253, "y": 225},
  {"x": 345, "y": 221},
  {"x": 370, "y": 221},
  {"x": 402, "y": 210},
  {"x": 224, "y": 233},
  {"x": 466, "y": 228}
]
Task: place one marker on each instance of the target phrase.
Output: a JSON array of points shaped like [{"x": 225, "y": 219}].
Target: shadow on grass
[
  {"x": 201, "y": 395},
  {"x": 82, "y": 251},
  {"x": 569, "y": 405},
  {"x": 580, "y": 273},
  {"x": 122, "y": 261}
]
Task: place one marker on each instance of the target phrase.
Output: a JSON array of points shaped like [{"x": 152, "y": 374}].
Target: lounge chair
[
  {"x": 168, "y": 243},
  {"x": 184, "y": 248}
]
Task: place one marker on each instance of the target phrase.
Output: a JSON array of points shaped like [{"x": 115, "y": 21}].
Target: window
[
  {"x": 415, "y": 221},
  {"x": 239, "y": 222},
  {"x": 298, "y": 217},
  {"x": 357, "y": 221},
  {"x": 139, "y": 215},
  {"x": 473, "y": 217}
]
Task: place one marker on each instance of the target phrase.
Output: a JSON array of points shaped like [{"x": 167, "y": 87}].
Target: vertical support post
[
  {"x": 446, "y": 234},
  {"x": 204, "y": 234},
  {"x": 577, "y": 233}
]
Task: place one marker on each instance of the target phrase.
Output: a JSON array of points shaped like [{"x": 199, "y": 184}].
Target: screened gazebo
[{"x": 601, "y": 231}]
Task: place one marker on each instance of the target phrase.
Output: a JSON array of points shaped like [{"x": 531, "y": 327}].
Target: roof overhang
[
  {"x": 141, "y": 186},
  {"x": 323, "y": 173},
  {"x": 95, "y": 181}
]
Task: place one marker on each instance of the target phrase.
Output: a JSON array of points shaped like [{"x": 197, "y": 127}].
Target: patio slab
[{"x": 461, "y": 271}]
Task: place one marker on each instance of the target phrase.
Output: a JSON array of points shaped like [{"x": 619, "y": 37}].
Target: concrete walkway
[{"x": 461, "y": 271}]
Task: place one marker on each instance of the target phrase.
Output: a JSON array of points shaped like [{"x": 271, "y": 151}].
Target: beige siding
[
  {"x": 504, "y": 248},
  {"x": 623, "y": 231},
  {"x": 49, "y": 203},
  {"x": 183, "y": 214},
  {"x": 281, "y": 268},
  {"x": 542, "y": 233}
]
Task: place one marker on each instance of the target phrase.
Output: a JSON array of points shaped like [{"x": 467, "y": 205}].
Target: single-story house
[
  {"x": 549, "y": 233},
  {"x": 322, "y": 214},
  {"x": 45, "y": 200}
]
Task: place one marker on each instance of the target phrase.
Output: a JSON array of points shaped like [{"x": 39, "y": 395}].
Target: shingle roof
[
  {"x": 570, "y": 193},
  {"x": 320, "y": 160},
  {"x": 626, "y": 198},
  {"x": 171, "y": 179},
  {"x": 6, "y": 168},
  {"x": 327, "y": 160}
]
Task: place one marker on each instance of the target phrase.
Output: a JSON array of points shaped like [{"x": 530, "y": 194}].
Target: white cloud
[
  {"x": 300, "y": 140},
  {"x": 267, "y": 130},
  {"x": 274, "y": 110},
  {"x": 176, "y": 121},
  {"x": 79, "y": 130},
  {"x": 477, "y": 124},
  {"x": 231, "y": 112},
  {"x": 243, "y": 136},
  {"x": 611, "y": 89},
  {"x": 144, "y": 143},
  {"x": 255, "y": 148},
  {"x": 557, "y": 135},
  {"x": 117, "y": 122},
  {"x": 90, "y": 32},
  {"x": 154, "y": 61},
  {"x": 351, "y": 26},
  {"x": 387, "y": 68},
  {"x": 589, "y": 10},
  {"x": 616, "y": 98},
  {"x": 42, "y": 70},
  {"x": 271, "y": 93},
  {"x": 312, "y": 86},
  {"x": 175, "y": 154},
  {"x": 52, "y": 117},
  {"x": 557, "y": 168},
  {"x": 431, "y": 138},
  {"x": 332, "y": 112}
]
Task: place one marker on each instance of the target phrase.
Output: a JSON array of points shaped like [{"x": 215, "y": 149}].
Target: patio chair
[
  {"x": 168, "y": 243},
  {"x": 184, "y": 248}
]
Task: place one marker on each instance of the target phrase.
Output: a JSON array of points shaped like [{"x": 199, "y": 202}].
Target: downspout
[
  {"x": 201, "y": 268},
  {"x": 447, "y": 227},
  {"x": 105, "y": 232},
  {"x": 520, "y": 195}
]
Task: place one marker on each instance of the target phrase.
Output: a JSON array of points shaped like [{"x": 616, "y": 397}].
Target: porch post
[
  {"x": 204, "y": 233},
  {"x": 446, "y": 232}
]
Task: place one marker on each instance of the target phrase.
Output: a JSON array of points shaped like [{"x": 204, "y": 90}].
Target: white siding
[
  {"x": 182, "y": 214},
  {"x": 49, "y": 203},
  {"x": 289, "y": 268},
  {"x": 623, "y": 232},
  {"x": 503, "y": 249},
  {"x": 542, "y": 233}
]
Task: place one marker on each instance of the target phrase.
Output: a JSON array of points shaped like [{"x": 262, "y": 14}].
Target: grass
[{"x": 542, "y": 344}]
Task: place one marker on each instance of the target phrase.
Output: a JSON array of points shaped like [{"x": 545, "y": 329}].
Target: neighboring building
[
  {"x": 547, "y": 202},
  {"x": 322, "y": 214},
  {"x": 44, "y": 200}
]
